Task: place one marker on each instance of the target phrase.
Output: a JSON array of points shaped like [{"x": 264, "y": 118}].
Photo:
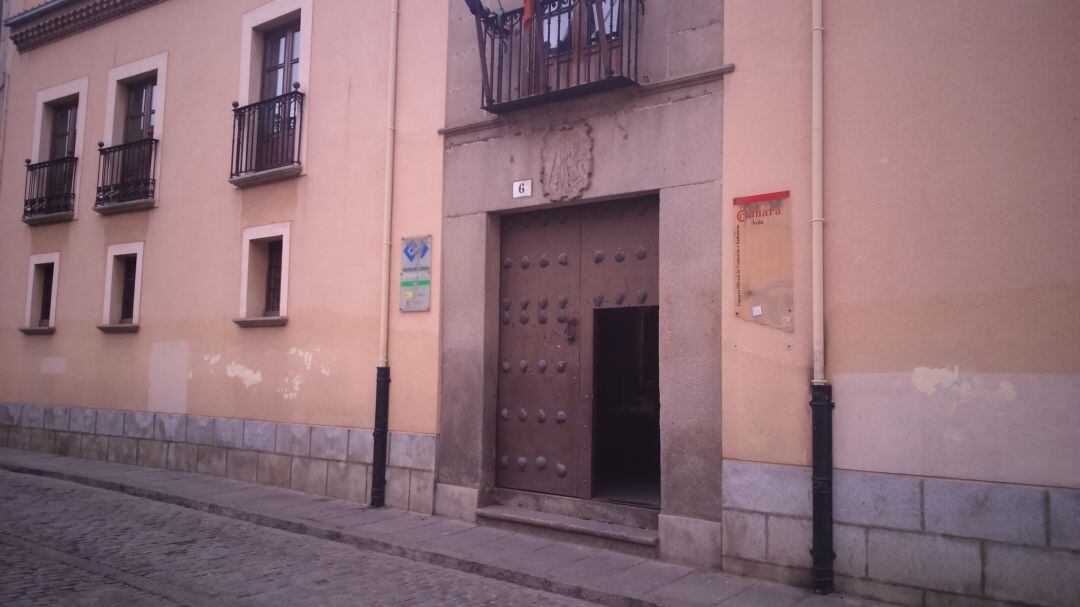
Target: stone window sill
[
  {"x": 37, "y": 330},
  {"x": 119, "y": 328},
  {"x": 267, "y": 176},
  {"x": 261, "y": 321},
  {"x": 37, "y": 220},
  {"x": 113, "y": 208}
]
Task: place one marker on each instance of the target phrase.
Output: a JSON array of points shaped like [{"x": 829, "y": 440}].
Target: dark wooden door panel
[
  {"x": 541, "y": 419},
  {"x": 558, "y": 266}
]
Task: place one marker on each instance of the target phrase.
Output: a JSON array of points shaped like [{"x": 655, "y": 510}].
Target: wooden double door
[{"x": 560, "y": 269}]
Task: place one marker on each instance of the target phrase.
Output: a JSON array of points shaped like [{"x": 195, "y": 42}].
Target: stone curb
[{"x": 512, "y": 576}]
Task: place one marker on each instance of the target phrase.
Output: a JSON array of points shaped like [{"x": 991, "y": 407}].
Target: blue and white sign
[{"x": 416, "y": 254}]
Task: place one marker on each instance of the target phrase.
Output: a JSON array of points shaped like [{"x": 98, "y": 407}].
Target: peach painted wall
[
  {"x": 188, "y": 355},
  {"x": 952, "y": 184}
]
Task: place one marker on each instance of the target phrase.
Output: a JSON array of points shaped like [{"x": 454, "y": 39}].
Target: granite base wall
[
  {"x": 908, "y": 540},
  {"x": 323, "y": 460}
]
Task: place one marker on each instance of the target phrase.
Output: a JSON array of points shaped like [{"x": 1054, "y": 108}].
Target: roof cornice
[{"x": 58, "y": 19}]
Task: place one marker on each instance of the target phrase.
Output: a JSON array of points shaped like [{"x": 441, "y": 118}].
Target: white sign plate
[{"x": 523, "y": 189}]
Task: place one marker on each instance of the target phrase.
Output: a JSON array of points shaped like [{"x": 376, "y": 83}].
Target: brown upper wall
[
  {"x": 952, "y": 269},
  {"x": 188, "y": 356}
]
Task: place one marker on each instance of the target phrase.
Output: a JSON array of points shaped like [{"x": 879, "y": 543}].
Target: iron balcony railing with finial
[
  {"x": 266, "y": 136},
  {"x": 126, "y": 173},
  {"x": 555, "y": 49},
  {"x": 50, "y": 189}
]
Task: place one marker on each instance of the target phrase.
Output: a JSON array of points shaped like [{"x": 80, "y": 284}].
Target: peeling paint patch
[
  {"x": 292, "y": 389},
  {"x": 306, "y": 356},
  {"x": 324, "y": 370},
  {"x": 212, "y": 359},
  {"x": 927, "y": 379},
  {"x": 250, "y": 377}
]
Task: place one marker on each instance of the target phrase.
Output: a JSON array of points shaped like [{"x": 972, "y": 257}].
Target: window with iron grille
[
  {"x": 127, "y": 289},
  {"x": 40, "y": 312},
  {"x": 264, "y": 276},
  {"x": 273, "y": 278},
  {"x": 123, "y": 279},
  {"x": 45, "y": 293}
]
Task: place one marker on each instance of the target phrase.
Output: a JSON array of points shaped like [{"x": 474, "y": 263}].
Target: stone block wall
[
  {"x": 908, "y": 540},
  {"x": 323, "y": 460}
]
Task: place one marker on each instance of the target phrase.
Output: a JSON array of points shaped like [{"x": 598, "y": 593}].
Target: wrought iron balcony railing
[
  {"x": 555, "y": 49},
  {"x": 126, "y": 172},
  {"x": 266, "y": 135},
  {"x": 50, "y": 187}
]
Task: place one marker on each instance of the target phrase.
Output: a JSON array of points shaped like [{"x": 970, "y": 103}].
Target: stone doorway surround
[{"x": 613, "y": 143}]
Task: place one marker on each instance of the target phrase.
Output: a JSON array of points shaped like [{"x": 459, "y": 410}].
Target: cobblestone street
[{"x": 64, "y": 543}]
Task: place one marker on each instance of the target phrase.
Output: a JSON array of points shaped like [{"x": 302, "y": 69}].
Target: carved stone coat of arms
[{"x": 566, "y": 162}]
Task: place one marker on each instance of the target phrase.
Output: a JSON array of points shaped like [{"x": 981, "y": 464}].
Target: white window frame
[
  {"x": 115, "y": 99},
  {"x": 261, "y": 233},
  {"x": 39, "y": 151},
  {"x": 35, "y": 261},
  {"x": 114, "y": 251},
  {"x": 255, "y": 22}
]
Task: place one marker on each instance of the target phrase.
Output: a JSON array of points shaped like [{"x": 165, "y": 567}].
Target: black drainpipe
[
  {"x": 382, "y": 425},
  {"x": 821, "y": 406}
]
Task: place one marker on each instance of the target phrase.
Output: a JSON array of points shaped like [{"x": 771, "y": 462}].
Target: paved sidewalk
[{"x": 575, "y": 571}]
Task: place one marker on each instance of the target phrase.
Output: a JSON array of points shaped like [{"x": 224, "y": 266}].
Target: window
[
  {"x": 62, "y": 136},
  {"x": 127, "y": 289},
  {"x": 268, "y": 138},
  {"x": 281, "y": 60},
  {"x": 127, "y": 167},
  {"x": 51, "y": 170},
  {"x": 140, "y": 109},
  {"x": 264, "y": 286},
  {"x": 273, "y": 278},
  {"x": 275, "y": 47},
  {"x": 123, "y": 280},
  {"x": 41, "y": 288}
]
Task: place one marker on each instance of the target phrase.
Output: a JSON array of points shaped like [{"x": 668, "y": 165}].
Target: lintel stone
[
  {"x": 415, "y": 451},
  {"x": 928, "y": 561},
  {"x": 258, "y": 435},
  {"x": 9, "y": 414},
  {"x": 1007, "y": 513},
  {"x": 877, "y": 500},
  {"x": 109, "y": 422},
  {"x": 33, "y": 416},
  {"x": 769, "y": 488},
  {"x": 228, "y": 433},
  {"x": 170, "y": 426},
  {"x": 82, "y": 420},
  {"x": 57, "y": 418},
  {"x": 139, "y": 425},
  {"x": 293, "y": 439},
  {"x": 1065, "y": 518},
  {"x": 329, "y": 443}
]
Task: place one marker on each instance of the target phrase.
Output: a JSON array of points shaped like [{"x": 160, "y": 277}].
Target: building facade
[
  {"x": 660, "y": 230},
  {"x": 646, "y": 255},
  {"x": 193, "y": 250}
]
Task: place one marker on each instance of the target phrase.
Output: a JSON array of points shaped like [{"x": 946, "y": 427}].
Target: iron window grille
[
  {"x": 541, "y": 52},
  {"x": 266, "y": 134}
]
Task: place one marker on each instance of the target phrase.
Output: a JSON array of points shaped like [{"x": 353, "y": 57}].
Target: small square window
[
  {"x": 123, "y": 280},
  {"x": 264, "y": 276},
  {"x": 40, "y": 313}
]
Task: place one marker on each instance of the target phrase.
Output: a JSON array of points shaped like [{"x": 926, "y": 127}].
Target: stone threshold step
[{"x": 624, "y": 538}]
